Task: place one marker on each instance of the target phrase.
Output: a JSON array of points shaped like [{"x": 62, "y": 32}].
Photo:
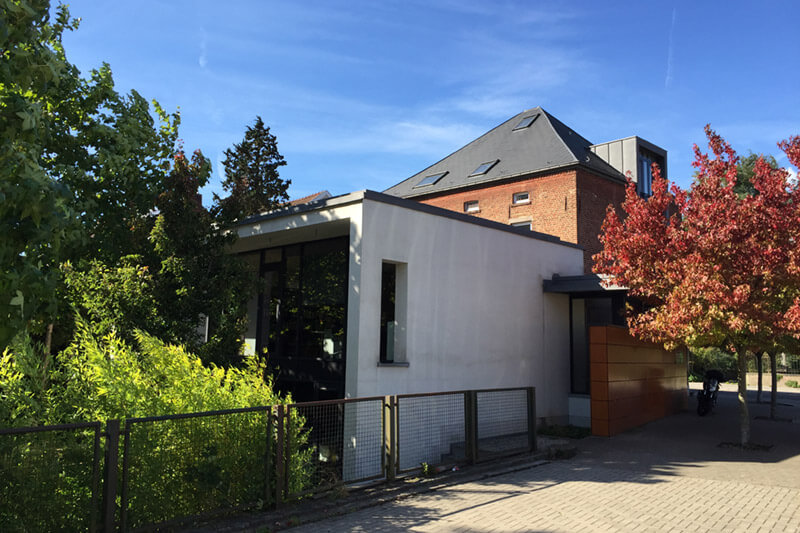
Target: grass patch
[{"x": 567, "y": 432}]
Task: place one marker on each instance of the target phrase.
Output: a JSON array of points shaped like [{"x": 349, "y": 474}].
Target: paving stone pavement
[{"x": 670, "y": 475}]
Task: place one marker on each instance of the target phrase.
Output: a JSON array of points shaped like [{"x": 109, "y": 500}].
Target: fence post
[
  {"x": 471, "y": 426},
  {"x": 280, "y": 464},
  {"x": 532, "y": 419},
  {"x": 110, "y": 476},
  {"x": 268, "y": 470},
  {"x": 390, "y": 436}
]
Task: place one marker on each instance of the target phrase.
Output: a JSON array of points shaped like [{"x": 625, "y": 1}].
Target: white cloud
[
  {"x": 203, "y": 59},
  {"x": 670, "y": 50}
]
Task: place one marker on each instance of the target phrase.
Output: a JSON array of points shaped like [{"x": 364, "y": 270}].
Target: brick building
[{"x": 532, "y": 171}]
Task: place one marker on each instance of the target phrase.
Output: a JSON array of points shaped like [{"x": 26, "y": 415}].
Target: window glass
[
  {"x": 388, "y": 300},
  {"x": 471, "y": 207},
  {"x": 483, "y": 168}
]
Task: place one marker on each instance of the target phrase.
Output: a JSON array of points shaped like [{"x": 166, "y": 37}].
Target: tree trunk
[
  {"x": 773, "y": 400},
  {"x": 760, "y": 368},
  {"x": 48, "y": 343},
  {"x": 744, "y": 415}
]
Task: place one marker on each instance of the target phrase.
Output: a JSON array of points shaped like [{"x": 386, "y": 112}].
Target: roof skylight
[
  {"x": 430, "y": 180},
  {"x": 526, "y": 121},
  {"x": 484, "y": 168}
]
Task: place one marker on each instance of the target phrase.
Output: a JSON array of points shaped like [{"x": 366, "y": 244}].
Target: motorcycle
[{"x": 707, "y": 398}]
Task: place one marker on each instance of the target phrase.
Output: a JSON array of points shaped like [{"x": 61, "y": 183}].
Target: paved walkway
[{"x": 670, "y": 475}]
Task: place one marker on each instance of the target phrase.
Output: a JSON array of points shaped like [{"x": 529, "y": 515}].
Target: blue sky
[{"x": 363, "y": 94}]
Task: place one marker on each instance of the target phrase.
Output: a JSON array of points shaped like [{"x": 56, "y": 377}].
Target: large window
[{"x": 302, "y": 317}]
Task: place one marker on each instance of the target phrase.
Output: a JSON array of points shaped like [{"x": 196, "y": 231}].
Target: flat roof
[
  {"x": 587, "y": 283},
  {"x": 359, "y": 196}
]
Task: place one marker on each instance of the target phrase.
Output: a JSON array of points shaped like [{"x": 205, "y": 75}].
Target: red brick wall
[
  {"x": 632, "y": 382},
  {"x": 594, "y": 195},
  {"x": 552, "y": 208},
  {"x": 570, "y": 205}
]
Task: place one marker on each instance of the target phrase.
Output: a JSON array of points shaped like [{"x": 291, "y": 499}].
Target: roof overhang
[{"x": 585, "y": 284}]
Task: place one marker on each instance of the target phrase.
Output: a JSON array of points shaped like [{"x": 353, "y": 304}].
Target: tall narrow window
[{"x": 388, "y": 300}]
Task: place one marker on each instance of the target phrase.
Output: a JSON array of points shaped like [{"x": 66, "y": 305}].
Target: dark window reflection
[{"x": 303, "y": 317}]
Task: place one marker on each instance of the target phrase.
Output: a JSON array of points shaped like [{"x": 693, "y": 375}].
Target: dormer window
[
  {"x": 430, "y": 180},
  {"x": 483, "y": 168},
  {"x": 644, "y": 185}
]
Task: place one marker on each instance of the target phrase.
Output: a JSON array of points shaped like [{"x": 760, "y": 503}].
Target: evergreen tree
[{"x": 251, "y": 176}]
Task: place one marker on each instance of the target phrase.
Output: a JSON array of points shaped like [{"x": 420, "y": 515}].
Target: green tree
[
  {"x": 80, "y": 165},
  {"x": 745, "y": 172},
  {"x": 36, "y": 216},
  {"x": 251, "y": 175},
  {"x": 196, "y": 278}
]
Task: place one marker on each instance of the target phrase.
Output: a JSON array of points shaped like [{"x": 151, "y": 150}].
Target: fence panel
[
  {"x": 49, "y": 478},
  {"x": 183, "y": 466},
  {"x": 503, "y": 423},
  {"x": 343, "y": 443},
  {"x": 430, "y": 429}
]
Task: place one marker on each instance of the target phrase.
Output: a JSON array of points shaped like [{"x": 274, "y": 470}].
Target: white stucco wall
[{"x": 477, "y": 315}]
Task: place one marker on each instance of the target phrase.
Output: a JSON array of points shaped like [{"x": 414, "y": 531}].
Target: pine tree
[{"x": 251, "y": 175}]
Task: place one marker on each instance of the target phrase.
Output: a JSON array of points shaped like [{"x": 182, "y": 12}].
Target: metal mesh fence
[
  {"x": 182, "y": 466},
  {"x": 430, "y": 429},
  {"x": 49, "y": 478},
  {"x": 502, "y": 422},
  {"x": 342, "y": 443}
]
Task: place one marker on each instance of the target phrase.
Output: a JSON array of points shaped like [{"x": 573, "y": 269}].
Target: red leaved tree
[{"x": 713, "y": 268}]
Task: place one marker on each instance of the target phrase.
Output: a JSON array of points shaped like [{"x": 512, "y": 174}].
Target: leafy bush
[
  {"x": 792, "y": 383},
  {"x": 177, "y": 467},
  {"x": 702, "y": 359}
]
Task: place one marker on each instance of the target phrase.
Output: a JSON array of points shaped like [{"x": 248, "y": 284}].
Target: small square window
[
  {"x": 483, "y": 168},
  {"x": 430, "y": 180},
  {"x": 527, "y": 224},
  {"x": 521, "y": 198},
  {"x": 471, "y": 207},
  {"x": 526, "y": 121}
]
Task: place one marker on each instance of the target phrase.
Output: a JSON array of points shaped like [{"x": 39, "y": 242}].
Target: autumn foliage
[{"x": 713, "y": 268}]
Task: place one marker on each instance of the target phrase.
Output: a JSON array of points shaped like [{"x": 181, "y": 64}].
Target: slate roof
[{"x": 547, "y": 144}]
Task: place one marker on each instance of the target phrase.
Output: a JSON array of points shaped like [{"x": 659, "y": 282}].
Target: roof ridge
[
  {"x": 550, "y": 120},
  {"x": 473, "y": 141}
]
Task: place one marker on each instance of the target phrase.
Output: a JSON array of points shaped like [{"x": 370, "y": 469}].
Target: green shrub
[
  {"x": 792, "y": 383},
  {"x": 702, "y": 359},
  {"x": 177, "y": 467}
]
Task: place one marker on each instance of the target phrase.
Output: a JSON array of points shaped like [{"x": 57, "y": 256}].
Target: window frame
[
  {"x": 472, "y": 206},
  {"x": 516, "y": 201}
]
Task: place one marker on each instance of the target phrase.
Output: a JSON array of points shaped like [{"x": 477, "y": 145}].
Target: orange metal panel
[
  {"x": 600, "y": 428},
  {"x": 597, "y": 335},
  {"x": 599, "y": 390},
  {"x": 599, "y": 372},
  {"x": 598, "y": 353}
]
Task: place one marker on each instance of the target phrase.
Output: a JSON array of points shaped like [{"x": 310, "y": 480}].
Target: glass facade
[{"x": 301, "y": 322}]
